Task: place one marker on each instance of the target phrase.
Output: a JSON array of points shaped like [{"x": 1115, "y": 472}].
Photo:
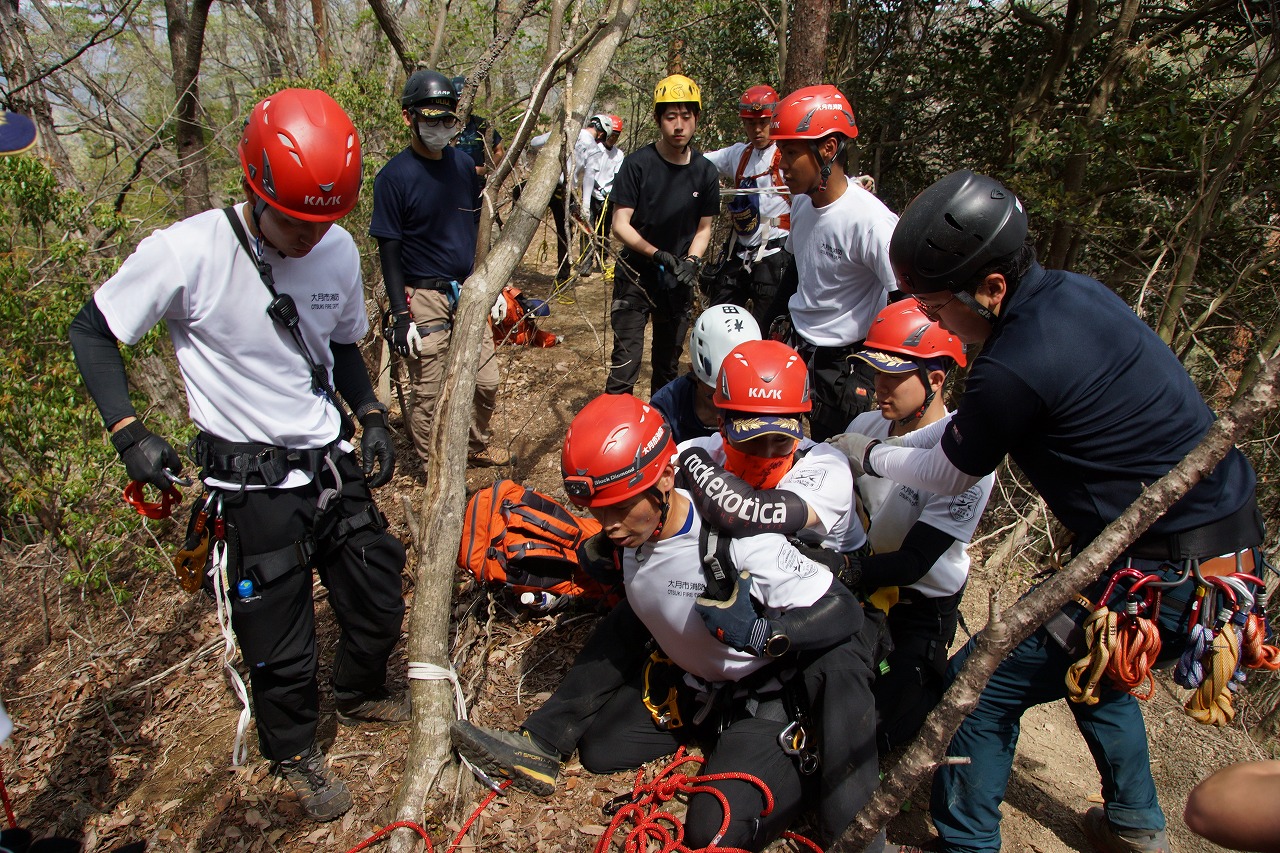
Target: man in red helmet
[
  {"x": 425, "y": 215},
  {"x": 755, "y": 259},
  {"x": 265, "y": 306},
  {"x": 727, "y": 664},
  {"x": 840, "y": 240},
  {"x": 919, "y": 539}
]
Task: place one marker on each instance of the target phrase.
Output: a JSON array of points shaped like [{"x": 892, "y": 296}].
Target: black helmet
[
  {"x": 953, "y": 229},
  {"x": 430, "y": 91},
  {"x": 459, "y": 83}
]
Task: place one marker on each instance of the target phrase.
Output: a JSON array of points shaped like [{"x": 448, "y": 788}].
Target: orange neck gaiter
[{"x": 758, "y": 472}]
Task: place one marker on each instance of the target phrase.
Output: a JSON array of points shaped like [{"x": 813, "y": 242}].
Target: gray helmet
[
  {"x": 430, "y": 91},
  {"x": 953, "y": 229}
]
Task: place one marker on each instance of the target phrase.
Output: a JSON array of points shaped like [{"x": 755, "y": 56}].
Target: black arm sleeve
[
  {"x": 97, "y": 353},
  {"x": 350, "y": 377},
  {"x": 834, "y": 617},
  {"x": 920, "y": 549},
  {"x": 728, "y": 503},
  {"x": 389, "y": 253}
]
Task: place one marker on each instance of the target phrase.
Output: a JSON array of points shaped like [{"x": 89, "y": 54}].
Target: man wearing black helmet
[
  {"x": 482, "y": 142},
  {"x": 425, "y": 210},
  {"x": 1093, "y": 407}
]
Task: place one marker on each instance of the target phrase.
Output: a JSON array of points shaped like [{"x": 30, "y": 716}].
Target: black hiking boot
[
  {"x": 507, "y": 755},
  {"x": 1105, "y": 838},
  {"x": 378, "y": 708},
  {"x": 323, "y": 795}
]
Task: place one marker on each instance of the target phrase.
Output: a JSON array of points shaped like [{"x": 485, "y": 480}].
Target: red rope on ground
[
  {"x": 391, "y": 827},
  {"x": 475, "y": 815},
  {"x": 8, "y": 807}
]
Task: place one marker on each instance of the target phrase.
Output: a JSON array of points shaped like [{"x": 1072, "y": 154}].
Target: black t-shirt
[
  {"x": 667, "y": 200},
  {"x": 1091, "y": 405},
  {"x": 430, "y": 205},
  {"x": 471, "y": 140}
]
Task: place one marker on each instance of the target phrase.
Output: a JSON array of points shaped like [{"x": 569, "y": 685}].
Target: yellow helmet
[{"x": 677, "y": 89}]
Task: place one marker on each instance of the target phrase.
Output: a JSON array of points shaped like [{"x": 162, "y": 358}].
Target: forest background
[{"x": 1141, "y": 135}]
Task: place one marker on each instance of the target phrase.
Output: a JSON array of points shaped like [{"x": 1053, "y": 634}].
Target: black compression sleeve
[
  {"x": 97, "y": 353},
  {"x": 350, "y": 377},
  {"x": 920, "y": 549},
  {"x": 834, "y": 617},
  {"x": 727, "y": 502},
  {"x": 389, "y": 253}
]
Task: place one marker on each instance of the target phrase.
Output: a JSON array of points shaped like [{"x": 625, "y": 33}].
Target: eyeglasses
[
  {"x": 436, "y": 121},
  {"x": 933, "y": 311}
]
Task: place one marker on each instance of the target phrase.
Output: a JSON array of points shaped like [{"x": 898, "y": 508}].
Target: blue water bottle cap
[{"x": 245, "y": 588}]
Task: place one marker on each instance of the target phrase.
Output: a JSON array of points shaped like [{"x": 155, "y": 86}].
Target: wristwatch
[{"x": 777, "y": 645}]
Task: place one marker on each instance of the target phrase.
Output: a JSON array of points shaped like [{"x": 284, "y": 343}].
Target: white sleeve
[
  {"x": 926, "y": 436},
  {"x": 539, "y": 140},
  {"x": 781, "y": 577},
  {"x": 822, "y": 480},
  {"x": 151, "y": 285},
  {"x": 922, "y": 468},
  {"x": 726, "y": 159}
]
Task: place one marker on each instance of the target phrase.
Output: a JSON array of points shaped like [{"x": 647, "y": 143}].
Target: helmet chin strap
[
  {"x": 664, "y": 507},
  {"x": 824, "y": 165},
  {"x": 259, "y": 208},
  {"x": 913, "y": 418}
]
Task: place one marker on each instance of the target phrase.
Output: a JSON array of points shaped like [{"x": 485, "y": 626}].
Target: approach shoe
[
  {"x": 323, "y": 795},
  {"x": 490, "y": 457},
  {"x": 380, "y": 707},
  {"x": 507, "y": 755},
  {"x": 1105, "y": 838}
]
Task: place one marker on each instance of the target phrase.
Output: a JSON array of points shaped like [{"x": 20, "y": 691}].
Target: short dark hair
[
  {"x": 1012, "y": 266},
  {"x": 659, "y": 109}
]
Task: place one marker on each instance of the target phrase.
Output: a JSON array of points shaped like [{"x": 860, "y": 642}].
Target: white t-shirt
[
  {"x": 773, "y": 205},
  {"x": 246, "y": 379},
  {"x": 664, "y": 578},
  {"x": 842, "y": 261},
  {"x": 822, "y": 479},
  {"x": 585, "y": 151},
  {"x": 598, "y": 180},
  {"x": 894, "y": 507}
]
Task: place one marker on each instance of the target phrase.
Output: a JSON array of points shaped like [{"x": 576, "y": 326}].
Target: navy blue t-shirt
[
  {"x": 1091, "y": 405},
  {"x": 667, "y": 200},
  {"x": 431, "y": 206},
  {"x": 675, "y": 401},
  {"x": 471, "y": 140}
]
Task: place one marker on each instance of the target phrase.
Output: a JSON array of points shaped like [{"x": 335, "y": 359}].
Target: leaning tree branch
[{"x": 1005, "y": 631}]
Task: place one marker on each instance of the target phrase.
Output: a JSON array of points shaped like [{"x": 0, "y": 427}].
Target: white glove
[
  {"x": 855, "y": 446},
  {"x": 498, "y": 312},
  {"x": 415, "y": 341}
]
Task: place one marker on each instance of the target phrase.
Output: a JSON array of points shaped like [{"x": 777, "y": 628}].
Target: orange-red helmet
[
  {"x": 901, "y": 336},
  {"x": 616, "y": 447},
  {"x": 301, "y": 154},
  {"x": 766, "y": 377},
  {"x": 812, "y": 113},
  {"x": 758, "y": 102}
]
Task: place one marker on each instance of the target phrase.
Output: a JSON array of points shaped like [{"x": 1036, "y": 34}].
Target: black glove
[
  {"x": 735, "y": 622},
  {"x": 146, "y": 455},
  {"x": 601, "y": 560},
  {"x": 846, "y": 567},
  {"x": 667, "y": 261},
  {"x": 575, "y": 209},
  {"x": 397, "y": 332},
  {"x": 375, "y": 446},
  {"x": 687, "y": 271}
]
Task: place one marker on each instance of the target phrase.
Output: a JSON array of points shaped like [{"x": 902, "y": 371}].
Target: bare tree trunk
[
  {"x": 391, "y": 27},
  {"x": 442, "y": 20},
  {"x": 26, "y": 94},
  {"x": 1005, "y": 631},
  {"x": 441, "y": 520},
  {"x": 322, "y": 32},
  {"x": 186, "y": 48},
  {"x": 807, "y": 51}
]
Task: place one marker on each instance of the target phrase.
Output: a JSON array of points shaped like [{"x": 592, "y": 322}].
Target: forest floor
[{"x": 125, "y": 721}]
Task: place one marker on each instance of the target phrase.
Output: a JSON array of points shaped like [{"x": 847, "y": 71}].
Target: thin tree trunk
[
  {"x": 28, "y": 95},
  {"x": 322, "y": 32},
  {"x": 1005, "y": 631},
  {"x": 437, "y": 45},
  {"x": 441, "y": 520},
  {"x": 807, "y": 51},
  {"x": 390, "y": 26},
  {"x": 186, "y": 48}
]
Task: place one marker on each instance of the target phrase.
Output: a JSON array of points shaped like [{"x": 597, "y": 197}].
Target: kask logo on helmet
[
  {"x": 765, "y": 393},
  {"x": 322, "y": 201}
]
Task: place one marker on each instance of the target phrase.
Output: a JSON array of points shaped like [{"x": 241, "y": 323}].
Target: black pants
[
  {"x": 755, "y": 288},
  {"x": 842, "y": 389},
  {"x": 558, "y": 214},
  {"x": 641, "y": 291},
  {"x": 922, "y": 630},
  {"x": 276, "y": 628}
]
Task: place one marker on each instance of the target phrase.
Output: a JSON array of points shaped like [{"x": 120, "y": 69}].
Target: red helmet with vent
[
  {"x": 616, "y": 447},
  {"x": 758, "y": 102},
  {"x": 812, "y": 113},
  {"x": 902, "y": 329},
  {"x": 301, "y": 154},
  {"x": 766, "y": 377}
]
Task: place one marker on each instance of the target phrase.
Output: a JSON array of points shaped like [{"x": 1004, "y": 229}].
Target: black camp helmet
[
  {"x": 953, "y": 229},
  {"x": 429, "y": 88}
]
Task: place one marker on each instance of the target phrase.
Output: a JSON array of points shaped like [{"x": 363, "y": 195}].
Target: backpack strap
[
  {"x": 742, "y": 166},
  {"x": 717, "y": 565}
]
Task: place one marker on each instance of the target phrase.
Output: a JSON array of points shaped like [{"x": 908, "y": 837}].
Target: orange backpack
[
  {"x": 520, "y": 327},
  {"x": 520, "y": 538}
]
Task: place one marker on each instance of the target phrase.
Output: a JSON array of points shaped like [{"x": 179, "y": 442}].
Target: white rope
[
  {"x": 754, "y": 191},
  {"x": 218, "y": 571}
]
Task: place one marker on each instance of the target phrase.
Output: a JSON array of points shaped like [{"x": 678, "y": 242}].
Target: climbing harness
[{"x": 218, "y": 562}]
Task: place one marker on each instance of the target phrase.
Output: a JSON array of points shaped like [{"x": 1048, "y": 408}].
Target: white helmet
[
  {"x": 717, "y": 330},
  {"x": 602, "y": 122}
]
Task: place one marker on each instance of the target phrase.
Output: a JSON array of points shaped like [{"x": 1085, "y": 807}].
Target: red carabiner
[
  {"x": 134, "y": 497},
  {"x": 1123, "y": 574}
]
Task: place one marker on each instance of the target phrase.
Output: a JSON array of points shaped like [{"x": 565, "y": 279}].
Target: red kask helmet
[
  {"x": 301, "y": 154},
  {"x": 903, "y": 329},
  {"x": 812, "y": 113},
  {"x": 616, "y": 447},
  {"x": 758, "y": 102},
  {"x": 766, "y": 377}
]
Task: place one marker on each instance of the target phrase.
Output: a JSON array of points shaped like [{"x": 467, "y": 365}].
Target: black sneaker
[
  {"x": 380, "y": 707},
  {"x": 323, "y": 795},
  {"x": 507, "y": 755},
  {"x": 1106, "y": 838}
]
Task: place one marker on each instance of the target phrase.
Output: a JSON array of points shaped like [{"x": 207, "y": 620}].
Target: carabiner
[
  {"x": 793, "y": 738},
  {"x": 136, "y": 498}
]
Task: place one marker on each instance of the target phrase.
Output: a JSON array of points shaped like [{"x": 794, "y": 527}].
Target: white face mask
[{"x": 436, "y": 138}]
